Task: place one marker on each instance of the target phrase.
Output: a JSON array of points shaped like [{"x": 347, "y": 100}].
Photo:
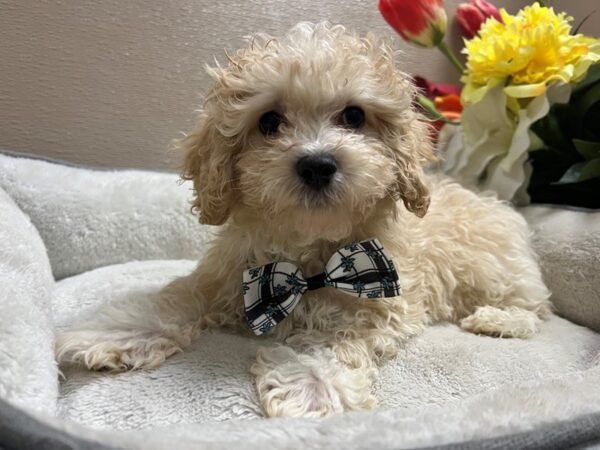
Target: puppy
[{"x": 304, "y": 145}]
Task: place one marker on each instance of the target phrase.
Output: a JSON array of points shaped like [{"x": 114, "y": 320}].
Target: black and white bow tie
[{"x": 272, "y": 291}]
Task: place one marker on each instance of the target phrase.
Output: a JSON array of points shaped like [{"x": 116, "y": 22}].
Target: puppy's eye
[
  {"x": 352, "y": 117},
  {"x": 269, "y": 122}
]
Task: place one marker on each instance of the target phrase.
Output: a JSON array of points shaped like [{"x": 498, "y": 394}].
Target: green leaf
[
  {"x": 581, "y": 171},
  {"x": 552, "y": 131},
  {"x": 592, "y": 77},
  {"x": 432, "y": 111},
  {"x": 536, "y": 142},
  {"x": 584, "y": 20},
  {"x": 580, "y": 106},
  {"x": 587, "y": 100},
  {"x": 589, "y": 150},
  {"x": 590, "y": 129}
]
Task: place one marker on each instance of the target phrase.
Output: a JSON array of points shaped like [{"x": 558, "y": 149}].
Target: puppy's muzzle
[{"x": 317, "y": 171}]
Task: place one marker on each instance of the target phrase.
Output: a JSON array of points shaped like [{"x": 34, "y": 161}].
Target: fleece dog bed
[{"x": 72, "y": 238}]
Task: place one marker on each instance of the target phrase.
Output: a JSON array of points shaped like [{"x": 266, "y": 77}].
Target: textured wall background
[{"x": 110, "y": 82}]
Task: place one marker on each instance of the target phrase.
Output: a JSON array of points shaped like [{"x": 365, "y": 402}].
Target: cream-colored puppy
[{"x": 306, "y": 144}]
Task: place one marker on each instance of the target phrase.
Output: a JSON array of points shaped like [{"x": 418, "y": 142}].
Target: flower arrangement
[{"x": 529, "y": 107}]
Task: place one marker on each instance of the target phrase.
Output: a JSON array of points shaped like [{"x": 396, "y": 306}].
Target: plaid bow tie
[{"x": 272, "y": 291}]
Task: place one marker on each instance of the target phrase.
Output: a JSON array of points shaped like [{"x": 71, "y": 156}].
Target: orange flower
[{"x": 448, "y": 106}]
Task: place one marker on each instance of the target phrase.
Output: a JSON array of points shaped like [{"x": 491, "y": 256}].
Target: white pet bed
[{"x": 72, "y": 238}]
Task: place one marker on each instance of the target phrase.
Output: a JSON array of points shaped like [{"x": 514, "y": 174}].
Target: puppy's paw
[
  {"x": 309, "y": 385},
  {"x": 510, "y": 322},
  {"x": 114, "y": 350}
]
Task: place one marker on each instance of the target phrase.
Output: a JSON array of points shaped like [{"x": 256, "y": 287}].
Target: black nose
[{"x": 316, "y": 170}]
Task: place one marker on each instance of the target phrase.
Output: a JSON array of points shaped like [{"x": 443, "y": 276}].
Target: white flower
[{"x": 491, "y": 152}]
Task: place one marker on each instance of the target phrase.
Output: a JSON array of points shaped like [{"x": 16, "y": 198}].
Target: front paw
[
  {"x": 315, "y": 384},
  {"x": 115, "y": 351},
  {"x": 509, "y": 322}
]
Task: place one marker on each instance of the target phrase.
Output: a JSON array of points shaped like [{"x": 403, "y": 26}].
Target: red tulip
[
  {"x": 422, "y": 22},
  {"x": 432, "y": 90},
  {"x": 471, "y": 16}
]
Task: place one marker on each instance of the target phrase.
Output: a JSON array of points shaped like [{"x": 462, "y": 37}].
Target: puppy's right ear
[{"x": 209, "y": 164}]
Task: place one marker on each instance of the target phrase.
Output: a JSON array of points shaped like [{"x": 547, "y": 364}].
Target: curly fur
[{"x": 467, "y": 260}]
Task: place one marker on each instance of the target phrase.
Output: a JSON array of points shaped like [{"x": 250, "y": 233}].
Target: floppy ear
[
  {"x": 414, "y": 152},
  {"x": 209, "y": 164},
  {"x": 402, "y": 128}
]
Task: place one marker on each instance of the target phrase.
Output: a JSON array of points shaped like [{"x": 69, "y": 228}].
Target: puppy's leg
[
  {"x": 143, "y": 332},
  {"x": 140, "y": 332},
  {"x": 509, "y": 322},
  {"x": 499, "y": 287},
  {"x": 333, "y": 370},
  {"x": 311, "y": 384},
  {"x": 510, "y": 298}
]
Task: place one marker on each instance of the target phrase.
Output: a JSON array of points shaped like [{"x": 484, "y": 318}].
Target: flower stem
[
  {"x": 432, "y": 111},
  {"x": 451, "y": 56}
]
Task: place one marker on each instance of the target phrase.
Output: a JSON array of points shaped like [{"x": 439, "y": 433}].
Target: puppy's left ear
[
  {"x": 413, "y": 153},
  {"x": 403, "y": 129},
  {"x": 209, "y": 164}
]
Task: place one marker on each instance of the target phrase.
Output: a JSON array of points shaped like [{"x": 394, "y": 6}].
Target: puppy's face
[{"x": 311, "y": 133}]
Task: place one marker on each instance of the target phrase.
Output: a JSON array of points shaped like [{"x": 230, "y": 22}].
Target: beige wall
[{"x": 111, "y": 82}]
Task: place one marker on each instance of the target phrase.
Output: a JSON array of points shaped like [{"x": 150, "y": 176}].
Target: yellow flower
[{"x": 525, "y": 53}]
